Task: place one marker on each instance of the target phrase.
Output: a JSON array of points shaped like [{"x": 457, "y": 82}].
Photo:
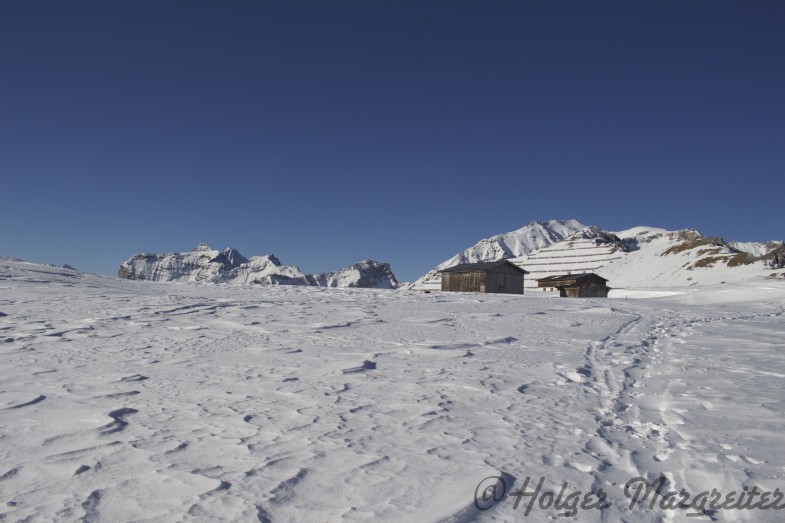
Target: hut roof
[
  {"x": 571, "y": 277},
  {"x": 481, "y": 266}
]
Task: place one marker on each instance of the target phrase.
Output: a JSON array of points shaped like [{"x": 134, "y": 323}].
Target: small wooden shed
[
  {"x": 502, "y": 277},
  {"x": 584, "y": 285}
]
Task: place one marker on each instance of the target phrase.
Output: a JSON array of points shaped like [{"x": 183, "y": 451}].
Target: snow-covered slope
[
  {"x": 649, "y": 257},
  {"x": 531, "y": 237},
  {"x": 207, "y": 265},
  {"x": 636, "y": 257},
  {"x": 659, "y": 258},
  {"x": 756, "y": 248},
  {"x": 589, "y": 250}
]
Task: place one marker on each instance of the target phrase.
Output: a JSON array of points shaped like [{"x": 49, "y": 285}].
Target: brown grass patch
[
  {"x": 741, "y": 258},
  {"x": 694, "y": 244},
  {"x": 708, "y": 261}
]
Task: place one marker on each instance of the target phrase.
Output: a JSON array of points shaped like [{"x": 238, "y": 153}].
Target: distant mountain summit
[
  {"x": 366, "y": 273},
  {"x": 637, "y": 257},
  {"x": 207, "y": 265}
]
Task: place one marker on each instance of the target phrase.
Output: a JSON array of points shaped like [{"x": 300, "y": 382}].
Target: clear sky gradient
[{"x": 329, "y": 132}]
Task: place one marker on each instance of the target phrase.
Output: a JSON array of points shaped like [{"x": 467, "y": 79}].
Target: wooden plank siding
[
  {"x": 584, "y": 291},
  {"x": 585, "y": 285},
  {"x": 464, "y": 281},
  {"x": 503, "y": 279}
]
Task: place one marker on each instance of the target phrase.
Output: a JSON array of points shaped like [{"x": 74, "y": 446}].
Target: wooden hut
[
  {"x": 501, "y": 277},
  {"x": 585, "y": 285}
]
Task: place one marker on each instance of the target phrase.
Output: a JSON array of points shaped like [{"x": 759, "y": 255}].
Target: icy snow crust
[{"x": 141, "y": 401}]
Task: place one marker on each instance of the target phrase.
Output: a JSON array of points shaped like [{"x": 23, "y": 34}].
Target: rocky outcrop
[
  {"x": 775, "y": 259},
  {"x": 601, "y": 237}
]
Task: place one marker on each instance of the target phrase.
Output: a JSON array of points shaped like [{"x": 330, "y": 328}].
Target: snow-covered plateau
[{"x": 130, "y": 400}]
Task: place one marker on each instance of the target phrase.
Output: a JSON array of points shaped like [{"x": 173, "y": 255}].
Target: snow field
[{"x": 139, "y": 401}]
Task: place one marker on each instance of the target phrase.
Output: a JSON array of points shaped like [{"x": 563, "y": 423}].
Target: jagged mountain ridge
[
  {"x": 207, "y": 265},
  {"x": 641, "y": 256}
]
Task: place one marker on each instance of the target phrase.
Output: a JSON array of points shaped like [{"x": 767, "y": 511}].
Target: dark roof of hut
[
  {"x": 481, "y": 266},
  {"x": 576, "y": 276}
]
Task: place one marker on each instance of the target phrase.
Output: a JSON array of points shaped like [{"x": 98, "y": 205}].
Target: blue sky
[{"x": 329, "y": 132}]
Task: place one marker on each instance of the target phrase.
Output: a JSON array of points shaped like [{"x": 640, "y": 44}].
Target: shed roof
[
  {"x": 481, "y": 266},
  {"x": 579, "y": 276}
]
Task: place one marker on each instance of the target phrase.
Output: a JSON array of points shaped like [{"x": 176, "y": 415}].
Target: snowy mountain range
[
  {"x": 207, "y": 265},
  {"x": 637, "y": 257}
]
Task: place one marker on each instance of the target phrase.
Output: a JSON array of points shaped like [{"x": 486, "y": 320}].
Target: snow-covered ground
[{"x": 141, "y": 401}]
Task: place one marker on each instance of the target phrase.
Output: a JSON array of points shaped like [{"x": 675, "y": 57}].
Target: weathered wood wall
[
  {"x": 584, "y": 291},
  {"x": 463, "y": 281},
  {"x": 503, "y": 279}
]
